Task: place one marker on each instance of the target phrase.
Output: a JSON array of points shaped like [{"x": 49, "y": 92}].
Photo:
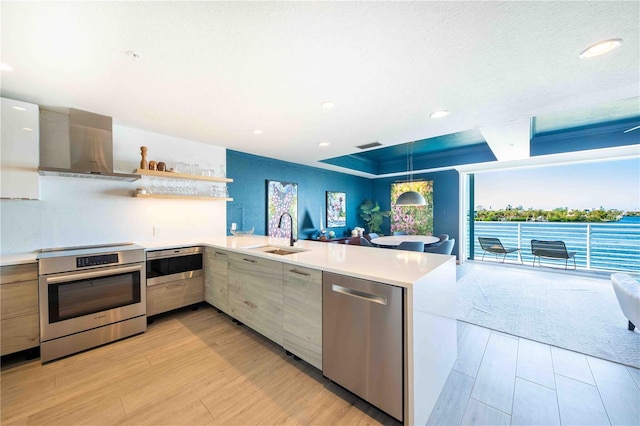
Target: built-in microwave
[{"x": 175, "y": 264}]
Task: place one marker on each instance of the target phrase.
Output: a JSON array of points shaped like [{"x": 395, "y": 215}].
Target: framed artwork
[
  {"x": 414, "y": 220},
  {"x": 336, "y": 209},
  {"x": 282, "y": 197}
]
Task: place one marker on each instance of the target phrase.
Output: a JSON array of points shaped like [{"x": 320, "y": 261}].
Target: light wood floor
[
  {"x": 191, "y": 368},
  {"x": 198, "y": 368}
]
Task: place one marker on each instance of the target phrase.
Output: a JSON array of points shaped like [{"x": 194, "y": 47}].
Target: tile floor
[{"x": 499, "y": 379}]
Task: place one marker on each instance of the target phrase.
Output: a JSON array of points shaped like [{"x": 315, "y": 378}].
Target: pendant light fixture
[{"x": 410, "y": 198}]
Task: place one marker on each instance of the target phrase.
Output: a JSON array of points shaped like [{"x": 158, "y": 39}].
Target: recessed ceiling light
[
  {"x": 27, "y": 129},
  {"x": 324, "y": 144},
  {"x": 601, "y": 48},
  {"x": 5, "y": 67},
  {"x": 19, "y": 108},
  {"x": 134, "y": 56},
  {"x": 439, "y": 114},
  {"x": 327, "y": 105},
  {"x": 257, "y": 132}
]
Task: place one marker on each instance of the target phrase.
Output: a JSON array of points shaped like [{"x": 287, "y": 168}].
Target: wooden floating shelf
[
  {"x": 172, "y": 175},
  {"x": 182, "y": 197}
]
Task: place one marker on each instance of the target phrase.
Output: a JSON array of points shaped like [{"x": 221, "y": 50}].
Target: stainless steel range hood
[{"x": 77, "y": 143}]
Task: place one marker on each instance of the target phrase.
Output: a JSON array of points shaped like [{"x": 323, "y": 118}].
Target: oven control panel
[{"x": 101, "y": 259}]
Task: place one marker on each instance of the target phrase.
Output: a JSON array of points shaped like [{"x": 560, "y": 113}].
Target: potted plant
[{"x": 373, "y": 215}]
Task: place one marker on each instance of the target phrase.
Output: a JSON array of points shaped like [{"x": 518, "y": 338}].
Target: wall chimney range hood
[{"x": 77, "y": 143}]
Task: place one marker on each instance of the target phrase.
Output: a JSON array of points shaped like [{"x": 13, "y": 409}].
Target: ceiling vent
[{"x": 369, "y": 145}]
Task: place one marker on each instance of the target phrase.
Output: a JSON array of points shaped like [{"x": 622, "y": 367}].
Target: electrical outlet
[
  {"x": 156, "y": 231},
  {"x": 234, "y": 226}
]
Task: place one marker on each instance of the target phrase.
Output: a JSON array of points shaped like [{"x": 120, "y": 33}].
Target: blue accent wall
[
  {"x": 446, "y": 201},
  {"x": 248, "y": 190}
]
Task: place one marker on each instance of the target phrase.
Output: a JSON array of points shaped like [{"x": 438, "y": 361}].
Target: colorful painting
[
  {"x": 336, "y": 209},
  {"x": 414, "y": 220},
  {"x": 282, "y": 197}
]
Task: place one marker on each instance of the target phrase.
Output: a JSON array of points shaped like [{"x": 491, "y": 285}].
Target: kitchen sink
[{"x": 282, "y": 251}]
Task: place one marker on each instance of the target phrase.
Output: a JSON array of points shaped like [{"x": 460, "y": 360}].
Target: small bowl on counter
[{"x": 239, "y": 233}]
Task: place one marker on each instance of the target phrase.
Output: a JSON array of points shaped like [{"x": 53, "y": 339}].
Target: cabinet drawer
[
  {"x": 216, "y": 279},
  {"x": 19, "y": 298},
  {"x": 16, "y": 273},
  {"x": 19, "y": 333},
  {"x": 302, "y": 313},
  {"x": 255, "y": 294},
  {"x": 173, "y": 295}
]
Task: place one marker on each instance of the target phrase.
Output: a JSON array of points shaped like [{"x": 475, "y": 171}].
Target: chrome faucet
[{"x": 291, "y": 239}]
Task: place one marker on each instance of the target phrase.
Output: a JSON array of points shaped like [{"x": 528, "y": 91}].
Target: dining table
[{"x": 395, "y": 240}]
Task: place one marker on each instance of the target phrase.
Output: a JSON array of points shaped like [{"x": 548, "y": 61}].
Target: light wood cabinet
[
  {"x": 19, "y": 318},
  {"x": 174, "y": 295},
  {"x": 20, "y": 149},
  {"x": 255, "y": 294},
  {"x": 302, "y": 313},
  {"x": 216, "y": 288}
]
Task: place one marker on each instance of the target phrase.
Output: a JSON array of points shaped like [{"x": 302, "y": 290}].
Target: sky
[{"x": 611, "y": 184}]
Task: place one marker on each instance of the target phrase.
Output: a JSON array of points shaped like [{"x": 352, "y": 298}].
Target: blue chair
[
  {"x": 373, "y": 235},
  {"x": 446, "y": 247},
  {"x": 399, "y": 233},
  {"x": 365, "y": 242},
  {"x": 441, "y": 239},
  {"x": 411, "y": 246}
]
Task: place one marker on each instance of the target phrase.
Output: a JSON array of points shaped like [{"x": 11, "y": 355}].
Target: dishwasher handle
[{"x": 359, "y": 294}]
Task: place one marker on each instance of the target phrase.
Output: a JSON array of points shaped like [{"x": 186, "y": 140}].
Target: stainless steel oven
[{"x": 90, "y": 296}]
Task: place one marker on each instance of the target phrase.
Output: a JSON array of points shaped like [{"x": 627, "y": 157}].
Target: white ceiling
[{"x": 215, "y": 71}]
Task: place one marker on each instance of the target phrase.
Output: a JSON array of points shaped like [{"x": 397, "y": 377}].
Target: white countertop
[
  {"x": 17, "y": 259},
  {"x": 395, "y": 267}
]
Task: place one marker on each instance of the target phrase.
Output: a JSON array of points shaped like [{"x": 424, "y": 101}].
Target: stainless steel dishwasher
[{"x": 362, "y": 339}]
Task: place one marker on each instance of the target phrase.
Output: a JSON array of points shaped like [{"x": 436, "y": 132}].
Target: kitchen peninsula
[
  {"x": 428, "y": 288},
  {"x": 427, "y": 284}
]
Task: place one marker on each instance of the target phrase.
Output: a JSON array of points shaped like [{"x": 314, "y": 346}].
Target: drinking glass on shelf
[
  {"x": 222, "y": 171},
  {"x": 153, "y": 189},
  {"x": 180, "y": 167}
]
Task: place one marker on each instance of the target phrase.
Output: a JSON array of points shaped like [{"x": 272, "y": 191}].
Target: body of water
[{"x": 611, "y": 246}]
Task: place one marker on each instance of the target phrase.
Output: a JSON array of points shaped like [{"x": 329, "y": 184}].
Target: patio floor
[{"x": 574, "y": 310}]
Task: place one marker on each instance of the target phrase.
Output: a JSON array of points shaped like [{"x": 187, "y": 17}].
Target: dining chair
[
  {"x": 399, "y": 233},
  {"x": 365, "y": 242},
  {"x": 411, "y": 246},
  {"x": 441, "y": 239},
  {"x": 373, "y": 235},
  {"x": 446, "y": 247}
]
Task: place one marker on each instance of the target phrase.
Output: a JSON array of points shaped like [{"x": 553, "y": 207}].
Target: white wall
[{"x": 73, "y": 211}]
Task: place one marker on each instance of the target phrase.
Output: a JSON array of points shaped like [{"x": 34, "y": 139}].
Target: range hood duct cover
[{"x": 78, "y": 144}]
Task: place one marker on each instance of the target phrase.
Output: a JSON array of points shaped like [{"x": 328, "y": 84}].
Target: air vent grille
[{"x": 369, "y": 145}]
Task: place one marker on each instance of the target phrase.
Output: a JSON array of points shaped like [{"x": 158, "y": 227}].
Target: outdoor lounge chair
[
  {"x": 493, "y": 245},
  {"x": 552, "y": 250}
]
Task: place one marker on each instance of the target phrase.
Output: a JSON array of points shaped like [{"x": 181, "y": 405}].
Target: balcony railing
[{"x": 599, "y": 246}]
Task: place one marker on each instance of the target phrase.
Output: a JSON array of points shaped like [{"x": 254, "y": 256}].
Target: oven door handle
[{"x": 93, "y": 274}]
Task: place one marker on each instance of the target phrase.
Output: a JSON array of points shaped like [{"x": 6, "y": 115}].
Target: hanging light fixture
[{"x": 410, "y": 198}]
